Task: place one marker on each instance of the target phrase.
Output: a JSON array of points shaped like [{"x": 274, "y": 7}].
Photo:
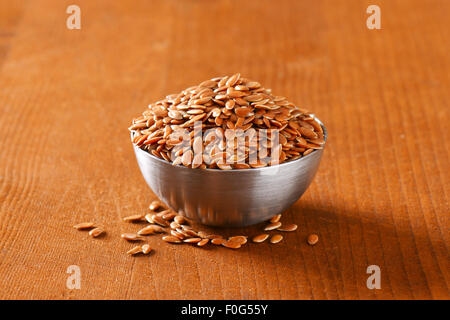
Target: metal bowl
[{"x": 229, "y": 198}]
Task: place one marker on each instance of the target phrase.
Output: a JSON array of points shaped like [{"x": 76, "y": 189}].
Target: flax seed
[
  {"x": 133, "y": 218},
  {"x": 159, "y": 220},
  {"x": 84, "y": 225},
  {"x": 171, "y": 239},
  {"x": 239, "y": 239},
  {"x": 147, "y": 231},
  {"x": 155, "y": 205},
  {"x": 135, "y": 250},
  {"x": 149, "y": 218},
  {"x": 192, "y": 240},
  {"x": 174, "y": 225},
  {"x": 96, "y": 232},
  {"x": 168, "y": 216},
  {"x": 232, "y": 244},
  {"x": 218, "y": 241},
  {"x": 202, "y": 242},
  {"x": 260, "y": 238},
  {"x": 229, "y": 102},
  {"x": 272, "y": 226},
  {"x": 131, "y": 237},
  {"x": 146, "y": 249},
  {"x": 275, "y": 219},
  {"x": 288, "y": 227},
  {"x": 276, "y": 238},
  {"x": 313, "y": 239},
  {"x": 213, "y": 236},
  {"x": 179, "y": 219}
]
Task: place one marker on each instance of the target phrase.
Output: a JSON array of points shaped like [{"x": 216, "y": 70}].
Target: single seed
[
  {"x": 133, "y": 218},
  {"x": 135, "y": 250},
  {"x": 146, "y": 249},
  {"x": 202, "y": 242},
  {"x": 163, "y": 213},
  {"x": 84, "y": 225},
  {"x": 131, "y": 237},
  {"x": 275, "y": 219},
  {"x": 239, "y": 239},
  {"x": 260, "y": 238},
  {"x": 272, "y": 226},
  {"x": 149, "y": 218},
  {"x": 159, "y": 220},
  {"x": 179, "y": 219},
  {"x": 174, "y": 225},
  {"x": 214, "y": 236},
  {"x": 202, "y": 234},
  {"x": 147, "y": 230},
  {"x": 232, "y": 245},
  {"x": 171, "y": 239},
  {"x": 168, "y": 216},
  {"x": 155, "y": 205},
  {"x": 313, "y": 239},
  {"x": 288, "y": 227},
  {"x": 96, "y": 232},
  {"x": 177, "y": 234},
  {"x": 276, "y": 238},
  {"x": 192, "y": 240},
  {"x": 218, "y": 241},
  {"x": 158, "y": 229},
  {"x": 191, "y": 233}
]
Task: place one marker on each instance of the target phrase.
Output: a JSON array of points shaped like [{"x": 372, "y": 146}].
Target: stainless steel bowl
[{"x": 229, "y": 198}]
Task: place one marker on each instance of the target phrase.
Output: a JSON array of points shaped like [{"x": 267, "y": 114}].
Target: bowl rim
[{"x": 325, "y": 135}]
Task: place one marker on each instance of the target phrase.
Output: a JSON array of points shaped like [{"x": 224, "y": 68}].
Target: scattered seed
[
  {"x": 260, "y": 238},
  {"x": 202, "y": 242},
  {"x": 272, "y": 226},
  {"x": 135, "y": 250},
  {"x": 239, "y": 239},
  {"x": 313, "y": 239},
  {"x": 171, "y": 239},
  {"x": 214, "y": 236},
  {"x": 146, "y": 249},
  {"x": 232, "y": 244},
  {"x": 218, "y": 241},
  {"x": 147, "y": 230},
  {"x": 192, "y": 240},
  {"x": 131, "y": 237},
  {"x": 276, "y": 238},
  {"x": 202, "y": 234},
  {"x": 288, "y": 227},
  {"x": 96, "y": 232},
  {"x": 84, "y": 225},
  {"x": 133, "y": 218},
  {"x": 275, "y": 219}
]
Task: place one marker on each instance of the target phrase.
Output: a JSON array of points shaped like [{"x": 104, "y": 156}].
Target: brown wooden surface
[{"x": 380, "y": 196}]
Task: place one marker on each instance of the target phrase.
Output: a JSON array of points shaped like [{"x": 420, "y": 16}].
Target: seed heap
[
  {"x": 178, "y": 231},
  {"x": 222, "y": 103}
]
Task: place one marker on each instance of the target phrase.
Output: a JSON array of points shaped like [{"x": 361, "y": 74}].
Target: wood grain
[{"x": 380, "y": 197}]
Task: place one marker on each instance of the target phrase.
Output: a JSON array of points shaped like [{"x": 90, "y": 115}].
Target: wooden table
[{"x": 380, "y": 196}]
